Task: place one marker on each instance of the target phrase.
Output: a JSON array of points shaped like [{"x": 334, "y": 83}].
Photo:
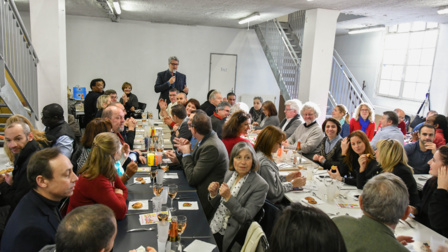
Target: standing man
[
  {"x": 208, "y": 162},
  {"x": 219, "y": 117},
  {"x": 36, "y": 218},
  {"x": 389, "y": 129},
  {"x": 292, "y": 118},
  {"x": 231, "y": 98},
  {"x": 170, "y": 79},
  {"x": 20, "y": 141},
  {"x": 90, "y": 109},
  {"x": 421, "y": 151},
  {"x": 57, "y": 130}
]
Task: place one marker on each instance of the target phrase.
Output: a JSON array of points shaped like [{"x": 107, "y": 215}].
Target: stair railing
[{"x": 18, "y": 62}]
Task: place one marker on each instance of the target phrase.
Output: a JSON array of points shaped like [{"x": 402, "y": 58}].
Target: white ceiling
[{"x": 226, "y": 13}]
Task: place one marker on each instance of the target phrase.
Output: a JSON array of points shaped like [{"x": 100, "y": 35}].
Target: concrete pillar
[
  {"x": 47, "y": 19},
  {"x": 317, "y": 55}
]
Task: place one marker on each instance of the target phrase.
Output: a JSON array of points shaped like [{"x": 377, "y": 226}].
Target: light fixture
[
  {"x": 443, "y": 10},
  {"x": 251, "y": 17},
  {"x": 117, "y": 7},
  {"x": 367, "y": 29},
  {"x": 107, "y": 7}
]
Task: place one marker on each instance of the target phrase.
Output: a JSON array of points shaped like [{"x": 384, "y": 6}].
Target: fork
[
  {"x": 315, "y": 195},
  {"x": 140, "y": 229},
  {"x": 404, "y": 221}
]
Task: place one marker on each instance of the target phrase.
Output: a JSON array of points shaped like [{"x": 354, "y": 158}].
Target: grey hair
[
  {"x": 385, "y": 198},
  {"x": 172, "y": 58},
  {"x": 213, "y": 94},
  {"x": 237, "y": 148},
  {"x": 239, "y": 106},
  {"x": 294, "y": 104},
  {"x": 222, "y": 105},
  {"x": 310, "y": 105},
  {"x": 25, "y": 127}
]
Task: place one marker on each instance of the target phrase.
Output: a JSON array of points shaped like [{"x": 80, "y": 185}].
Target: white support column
[
  {"x": 317, "y": 55},
  {"x": 47, "y": 18}
]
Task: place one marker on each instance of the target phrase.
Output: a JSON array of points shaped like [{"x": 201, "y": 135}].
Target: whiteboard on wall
[{"x": 223, "y": 72}]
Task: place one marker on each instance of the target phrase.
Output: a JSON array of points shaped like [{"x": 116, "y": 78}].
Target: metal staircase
[
  {"x": 18, "y": 67},
  {"x": 282, "y": 44}
]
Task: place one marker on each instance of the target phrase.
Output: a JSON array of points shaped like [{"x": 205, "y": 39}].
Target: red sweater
[
  {"x": 355, "y": 125},
  {"x": 439, "y": 139},
  {"x": 230, "y": 142},
  {"x": 100, "y": 190}
]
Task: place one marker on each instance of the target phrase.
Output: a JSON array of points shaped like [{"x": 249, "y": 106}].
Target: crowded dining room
[{"x": 134, "y": 125}]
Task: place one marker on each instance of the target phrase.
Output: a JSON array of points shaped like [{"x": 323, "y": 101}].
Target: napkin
[
  {"x": 194, "y": 205},
  {"x": 198, "y": 245},
  {"x": 143, "y": 169},
  {"x": 147, "y": 180},
  {"x": 144, "y": 203},
  {"x": 171, "y": 176}
]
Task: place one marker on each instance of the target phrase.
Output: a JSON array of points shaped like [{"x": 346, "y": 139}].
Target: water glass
[{"x": 159, "y": 177}]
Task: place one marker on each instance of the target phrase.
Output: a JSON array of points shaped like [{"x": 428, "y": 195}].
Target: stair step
[
  {"x": 5, "y": 115},
  {"x": 2, "y": 125},
  {"x": 3, "y": 105}
]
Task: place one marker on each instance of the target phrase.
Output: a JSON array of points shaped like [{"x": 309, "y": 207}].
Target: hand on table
[
  {"x": 293, "y": 175},
  {"x": 442, "y": 178},
  {"x": 405, "y": 239},
  {"x": 213, "y": 189},
  {"x": 148, "y": 249},
  {"x": 172, "y": 156},
  {"x": 299, "y": 182}
]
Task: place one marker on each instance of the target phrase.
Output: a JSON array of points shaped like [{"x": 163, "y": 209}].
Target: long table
[
  {"x": 316, "y": 188},
  {"x": 197, "y": 224}
]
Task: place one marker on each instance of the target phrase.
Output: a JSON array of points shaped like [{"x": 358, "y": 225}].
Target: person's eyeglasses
[
  {"x": 364, "y": 110},
  {"x": 308, "y": 114},
  {"x": 174, "y": 64}
]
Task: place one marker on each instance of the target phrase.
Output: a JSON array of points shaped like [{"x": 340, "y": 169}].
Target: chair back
[
  {"x": 142, "y": 106},
  {"x": 256, "y": 240},
  {"x": 271, "y": 215},
  {"x": 63, "y": 206}
]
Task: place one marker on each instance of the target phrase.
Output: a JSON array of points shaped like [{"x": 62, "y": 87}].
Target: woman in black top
[
  {"x": 355, "y": 150},
  {"x": 330, "y": 147},
  {"x": 129, "y": 100}
]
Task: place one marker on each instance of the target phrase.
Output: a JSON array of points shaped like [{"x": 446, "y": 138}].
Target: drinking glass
[
  {"x": 172, "y": 192},
  {"x": 165, "y": 167},
  {"x": 153, "y": 174},
  {"x": 163, "y": 225},
  {"x": 157, "y": 189},
  {"x": 181, "y": 225}
]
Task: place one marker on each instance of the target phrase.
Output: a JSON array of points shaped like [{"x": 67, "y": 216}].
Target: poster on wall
[{"x": 223, "y": 72}]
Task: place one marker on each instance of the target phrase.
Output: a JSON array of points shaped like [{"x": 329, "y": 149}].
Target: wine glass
[
  {"x": 172, "y": 192},
  {"x": 153, "y": 174},
  {"x": 181, "y": 225},
  {"x": 164, "y": 166},
  {"x": 157, "y": 189}
]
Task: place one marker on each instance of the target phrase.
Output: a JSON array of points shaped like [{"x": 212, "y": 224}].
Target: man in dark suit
[
  {"x": 179, "y": 115},
  {"x": 170, "y": 79},
  {"x": 292, "y": 118},
  {"x": 208, "y": 162},
  {"x": 36, "y": 218}
]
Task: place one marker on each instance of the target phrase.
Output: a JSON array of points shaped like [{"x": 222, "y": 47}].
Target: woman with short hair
[
  {"x": 129, "y": 100},
  {"x": 330, "y": 147},
  {"x": 98, "y": 181},
  {"x": 239, "y": 198},
  {"x": 101, "y": 103}
]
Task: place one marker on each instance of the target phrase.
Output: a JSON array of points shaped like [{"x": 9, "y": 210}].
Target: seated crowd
[{"x": 234, "y": 174}]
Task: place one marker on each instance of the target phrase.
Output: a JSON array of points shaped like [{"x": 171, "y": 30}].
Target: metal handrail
[{"x": 288, "y": 45}]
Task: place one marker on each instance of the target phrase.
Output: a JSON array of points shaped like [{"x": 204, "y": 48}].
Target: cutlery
[
  {"x": 195, "y": 237},
  {"x": 140, "y": 229},
  {"x": 404, "y": 221},
  {"x": 136, "y": 213},
  {"x": 315, "y": 195},
  {"x": 187, "y": 191}
]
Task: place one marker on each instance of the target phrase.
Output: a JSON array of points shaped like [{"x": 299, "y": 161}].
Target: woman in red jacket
[
  {"x": 364, "y": 120},
  {"x": 98, "y": 181}
]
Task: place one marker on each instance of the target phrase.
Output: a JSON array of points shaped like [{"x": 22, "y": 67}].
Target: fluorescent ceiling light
[
  {"x": 367, "y": 29},
  {"x": 251, "y": 17},
  {"x": 443, "y": 10},
  {"x": 117, "y": 7}
]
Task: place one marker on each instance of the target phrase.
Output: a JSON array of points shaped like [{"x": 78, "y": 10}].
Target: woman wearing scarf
[
  {"x": 363, "y": 120},
  {"x": 239, "y": 198}
]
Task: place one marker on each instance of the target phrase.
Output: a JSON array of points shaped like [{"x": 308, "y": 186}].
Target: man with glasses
[
  {"x": 389, "y": 129},
  {"x": 292, "y": 118},
  {"x": 219, "y": 117},
  {"x": 169, "y": 79}
]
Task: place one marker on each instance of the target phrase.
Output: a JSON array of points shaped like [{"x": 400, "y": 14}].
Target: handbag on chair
[{"x": 420, "y": 118}]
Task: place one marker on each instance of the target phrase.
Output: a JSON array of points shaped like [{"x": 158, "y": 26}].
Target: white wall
[
  {"x": 135, "y": 52},
  {"x": 363, "y": 54}
]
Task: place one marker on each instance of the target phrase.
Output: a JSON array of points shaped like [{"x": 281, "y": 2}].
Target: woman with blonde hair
[
  {"x": 392, "y": 158},
  {"x": 39, "y": 136},
  {"x": 98, "y": 181},
  {"x": 341, "y": 114},
  {"x": 364, "y": 120},
  {"x": 101, "y": 104},
  {"x": 268, "y": 142}
]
